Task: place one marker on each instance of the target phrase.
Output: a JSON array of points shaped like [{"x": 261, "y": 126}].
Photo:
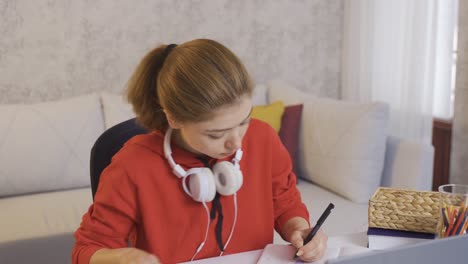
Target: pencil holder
[
  {"x": 453, "y": 210},
  {"x": 401, "y": 209}
]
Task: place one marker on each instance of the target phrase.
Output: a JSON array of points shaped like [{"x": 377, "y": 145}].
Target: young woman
[{"x": 206, "y": 181}]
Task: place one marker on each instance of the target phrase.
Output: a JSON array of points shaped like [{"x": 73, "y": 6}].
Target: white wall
[{"x": 55, "y": 49}]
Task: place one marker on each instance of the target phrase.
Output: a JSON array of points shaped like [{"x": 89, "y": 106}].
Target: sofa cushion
[
  {"x": 116, "y": 109},
  {"x": 271, "y": 114},
  {"x": 46, "y": 146},
  {"x": 44, "y": 214},
  {"x": 342, "y": 144},
  {"x": 289, "y": 131},
  {"x": 408, "y": 165},
  {"x": 317, "y": 199}
]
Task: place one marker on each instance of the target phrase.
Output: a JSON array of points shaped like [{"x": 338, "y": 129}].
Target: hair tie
[{"x": 168, "y": 50}]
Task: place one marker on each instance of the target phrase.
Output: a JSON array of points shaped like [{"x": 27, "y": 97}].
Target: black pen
[{"x": 318, "y": 225}]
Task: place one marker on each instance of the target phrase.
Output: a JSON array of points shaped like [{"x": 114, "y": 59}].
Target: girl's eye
[{"x": 214, "y": 137}]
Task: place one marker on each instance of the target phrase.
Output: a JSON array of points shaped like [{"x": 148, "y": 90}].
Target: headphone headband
[
  {"x": 225, "y": 178},
  {"x": 177, "y": 169}
]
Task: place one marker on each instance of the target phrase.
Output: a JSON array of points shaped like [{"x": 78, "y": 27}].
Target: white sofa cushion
[
  {"x": 115, "y": 108},
  {"x": 317, "y": 199},
  {"x": 44, "y": 214},
  {"x": 408, "y": 165},
  {"x": 46, "y": 146},
  {"x": 342, "y": 144}
]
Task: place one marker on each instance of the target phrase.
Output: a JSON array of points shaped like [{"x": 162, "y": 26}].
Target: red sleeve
[
  {"x": 286, "y": 197},
  {"x": 111, "y": 217}
]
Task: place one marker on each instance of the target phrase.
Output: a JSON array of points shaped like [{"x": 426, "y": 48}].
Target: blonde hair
[{"x": 190, "y": 82}]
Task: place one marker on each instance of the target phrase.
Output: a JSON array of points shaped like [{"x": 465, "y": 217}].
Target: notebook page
[
  {"x": 351, "y": 250},
  {"x": 249, "y": 257},
  {"x": 283, "y": 254}
]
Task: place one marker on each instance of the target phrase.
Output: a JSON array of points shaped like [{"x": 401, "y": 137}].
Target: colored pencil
[
  {"x": 445, "y": 216},
  {"x": 465, "y": 227},
  {"x": 452, "y": 213},
  {"x": 459, "y": 219},
  {"x": 460, "y": 230}
]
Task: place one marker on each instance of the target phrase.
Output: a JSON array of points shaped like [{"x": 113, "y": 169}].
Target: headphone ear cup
[
  {"x": 202, "y": 185},
  {"x": 227, "y": 177}
]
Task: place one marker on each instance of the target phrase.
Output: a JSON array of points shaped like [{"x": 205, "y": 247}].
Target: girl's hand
[
  {"x": 136, "y": 256},
  {"x": 312, "y": 251},
  {"x": 123, "y": 256}
]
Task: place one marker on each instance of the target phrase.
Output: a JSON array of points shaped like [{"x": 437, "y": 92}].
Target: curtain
[
  {"x": 391, "y": 54},
  {"x": 446, "y": 41},
  {"x": 459, "y": 154}
]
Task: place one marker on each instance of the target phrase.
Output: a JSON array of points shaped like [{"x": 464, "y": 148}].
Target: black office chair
[{"x": 109, "y": 143}]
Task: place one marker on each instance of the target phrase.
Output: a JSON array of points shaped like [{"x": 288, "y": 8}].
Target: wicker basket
[{"x": 404, "y": 210}]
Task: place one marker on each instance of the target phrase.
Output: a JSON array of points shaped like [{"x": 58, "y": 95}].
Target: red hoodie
[{"x": 138, "y": 194}]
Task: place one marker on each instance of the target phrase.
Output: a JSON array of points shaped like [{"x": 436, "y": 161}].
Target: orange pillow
[{"x": 270, "y": 114}]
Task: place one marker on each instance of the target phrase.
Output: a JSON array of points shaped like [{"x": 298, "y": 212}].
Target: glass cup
[{"x": 453, "y": 214}]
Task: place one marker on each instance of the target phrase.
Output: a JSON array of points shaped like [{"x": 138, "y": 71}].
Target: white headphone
[{"x": 226, "y": 177}]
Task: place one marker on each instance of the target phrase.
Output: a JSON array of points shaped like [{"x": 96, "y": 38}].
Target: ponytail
[{"x": 142, "y": 89}]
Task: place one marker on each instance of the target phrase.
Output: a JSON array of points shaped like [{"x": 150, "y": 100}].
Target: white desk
[{"x": 251, "y": 257}]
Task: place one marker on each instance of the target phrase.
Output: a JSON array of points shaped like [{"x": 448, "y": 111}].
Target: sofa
[{"x": 342, "y": 154}]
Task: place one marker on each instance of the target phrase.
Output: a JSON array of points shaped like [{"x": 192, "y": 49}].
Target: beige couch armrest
[{"x": 408, "y": 164}]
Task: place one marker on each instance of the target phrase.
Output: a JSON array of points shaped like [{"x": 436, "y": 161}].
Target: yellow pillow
[{"x": 270, "y": 114}]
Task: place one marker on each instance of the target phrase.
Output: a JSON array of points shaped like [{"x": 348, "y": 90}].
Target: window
[{"x": 446, "y": 59}]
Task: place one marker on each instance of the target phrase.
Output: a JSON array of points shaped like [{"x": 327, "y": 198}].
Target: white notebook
[{"x": 283, "y": 254}]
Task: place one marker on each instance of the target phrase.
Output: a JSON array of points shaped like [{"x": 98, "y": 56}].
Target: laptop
[{"x": 446, "y": 250}]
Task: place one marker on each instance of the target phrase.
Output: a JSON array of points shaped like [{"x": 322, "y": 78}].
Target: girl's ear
[{"x": 171, "y": 120}]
